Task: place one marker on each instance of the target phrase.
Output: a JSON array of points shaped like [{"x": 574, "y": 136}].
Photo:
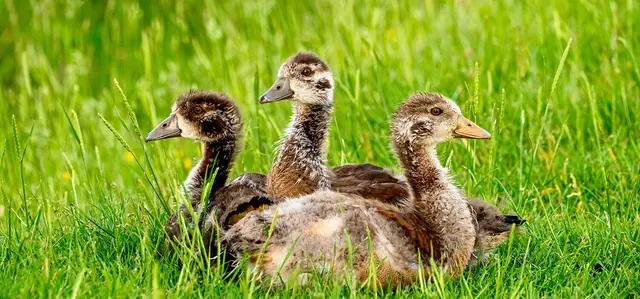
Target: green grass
[{"x": 80, "y": 216}]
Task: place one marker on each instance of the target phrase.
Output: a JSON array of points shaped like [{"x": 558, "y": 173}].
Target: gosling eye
[
  {"x": 306, "y": 71},
  {"x": 435, "y": 111},
  {"x": 197, "y": 110}
]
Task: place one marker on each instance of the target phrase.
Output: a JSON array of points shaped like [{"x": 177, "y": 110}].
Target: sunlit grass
[{"x": 556, "y": 81}]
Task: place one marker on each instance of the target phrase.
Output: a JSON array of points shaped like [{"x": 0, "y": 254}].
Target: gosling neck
[
  {"x": 310, "y": 125},
  {"x": 216, "y": 162},
  {"x": 301, "y": 164},
  {"x": 439, "y": 205},
  {"x": 425, "y": 175}
]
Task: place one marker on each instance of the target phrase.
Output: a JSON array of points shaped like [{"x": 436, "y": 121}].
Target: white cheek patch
[
  {"x": 186, "y": 128},
  {"x": 297, "y": 87},
  {"x": 302, "y": 92}
]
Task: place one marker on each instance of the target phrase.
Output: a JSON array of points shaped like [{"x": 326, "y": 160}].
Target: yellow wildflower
[
  {"x": 187, "y": 163},
  {"x": 128, "y": 156}
]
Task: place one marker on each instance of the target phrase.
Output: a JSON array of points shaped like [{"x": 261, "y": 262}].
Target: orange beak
[{"x": 468, "y": 129}]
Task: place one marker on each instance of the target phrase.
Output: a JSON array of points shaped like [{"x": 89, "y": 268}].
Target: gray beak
[
  {"x": 168, "y": 128},
  {"x": 279, "y": 91}
]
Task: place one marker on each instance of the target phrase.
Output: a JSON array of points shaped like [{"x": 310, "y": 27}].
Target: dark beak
[
  {"x": 514, "y": 219},
  {"x": 279, "y": 91},
  {"x": 168, "y": 128}
]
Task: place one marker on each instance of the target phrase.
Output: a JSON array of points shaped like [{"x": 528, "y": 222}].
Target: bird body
[
  {"x": 214, "y": 120},
  {"x": 300, "y": 169},
  {"x": 326, "y": 231}
]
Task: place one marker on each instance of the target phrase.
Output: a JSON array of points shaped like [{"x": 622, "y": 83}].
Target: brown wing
[
  {"x": 354, "y": 169},
  {"x": 419, "y": 232},
  {"x": 229, "y": 203},
  {"x": 244, "y": 186},
  {"x": 242, "y": 207},
  {"x": 374, "y": 182},
  {"x": 370, "y": 182}
]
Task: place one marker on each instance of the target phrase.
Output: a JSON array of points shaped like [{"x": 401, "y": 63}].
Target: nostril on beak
[
  {"x": 164, "y": 125},
  {"x": 278, "y": 87},
  {"x": 469, "y": 125}
]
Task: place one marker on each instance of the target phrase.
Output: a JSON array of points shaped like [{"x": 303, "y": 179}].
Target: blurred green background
[{"x": 80, "y": 214}]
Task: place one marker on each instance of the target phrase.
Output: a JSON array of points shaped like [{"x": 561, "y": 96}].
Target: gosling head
[
  {"x": 429, "y": 119},
  {"x": 303, "y": 78},
  {"x": 200, "y": 115}
]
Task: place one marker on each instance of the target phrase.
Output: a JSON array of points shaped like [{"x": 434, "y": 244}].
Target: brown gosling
[
  {"x": 306, "y": 80},
  {"x": 300, "y": 167},
  {"x": 338, "y": 233},
  {"x": 214, "y": 120}
]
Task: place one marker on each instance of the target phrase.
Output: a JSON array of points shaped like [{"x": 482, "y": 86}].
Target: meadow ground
[{"x": 81, "y": 215}]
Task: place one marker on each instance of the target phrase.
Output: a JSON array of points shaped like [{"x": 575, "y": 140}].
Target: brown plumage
[
  {"x": 300, "y": 167},
  {"x": 376, "y": 183},
  {"x": 338, "y": 233},
  {"x": 215, "y": 120},
  {"x": 371, "y": 182},
  {"x": 301, "y": 164}
]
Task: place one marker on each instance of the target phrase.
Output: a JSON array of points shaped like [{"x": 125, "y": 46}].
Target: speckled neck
[
  {"x": 423, "y": 171},
  {"x": 301, "y": 164},
  {"x": 439, "y": 205},
  {"x": 309, "y": 125},
  {"x": 217, "y": 160}
]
